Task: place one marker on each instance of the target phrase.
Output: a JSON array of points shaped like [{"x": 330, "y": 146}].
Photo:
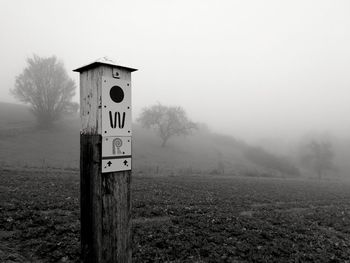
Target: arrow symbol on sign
[
  {"x": 126, "y": 163},
  {"x": 109, "y": 163}
]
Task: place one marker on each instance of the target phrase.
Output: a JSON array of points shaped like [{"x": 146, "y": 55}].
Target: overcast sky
[{"x": 249, "y": 68}]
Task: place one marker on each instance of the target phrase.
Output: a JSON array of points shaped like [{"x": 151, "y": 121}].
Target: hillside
[{"x": 23, "y": 145}]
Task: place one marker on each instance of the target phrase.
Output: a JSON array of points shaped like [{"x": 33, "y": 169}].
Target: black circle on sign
[{"x": 117, "y": 94}]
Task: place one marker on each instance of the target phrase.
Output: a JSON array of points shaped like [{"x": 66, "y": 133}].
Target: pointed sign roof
[{"x": 103, "y": 61}]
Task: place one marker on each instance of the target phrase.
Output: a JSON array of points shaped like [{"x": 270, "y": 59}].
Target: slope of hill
[
  {"x": 22, "y": 145},
  {"x": 198, "y": 152}
]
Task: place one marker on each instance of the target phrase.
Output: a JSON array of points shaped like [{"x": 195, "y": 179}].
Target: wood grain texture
[
  {"x": 90, "y": 101},
  {"x": 116, "y": 214},
  {"x": 105, "y": 198},
  {"x": 90, "y": 198}
]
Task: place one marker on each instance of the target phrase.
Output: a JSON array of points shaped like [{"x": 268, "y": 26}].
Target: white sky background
[{"x": 248, "y": 68}]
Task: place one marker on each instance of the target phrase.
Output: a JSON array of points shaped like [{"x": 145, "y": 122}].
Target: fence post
[{"x": 105, "y": 162}]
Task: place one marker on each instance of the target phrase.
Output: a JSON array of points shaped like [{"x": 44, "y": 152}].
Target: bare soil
[{"x": 182, "y": 218}]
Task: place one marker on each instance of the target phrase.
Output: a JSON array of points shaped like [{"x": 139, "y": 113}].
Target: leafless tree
[
  {"x": 167, "y": 121},
  {"x": 318, "y": 155},
  {"x": 46, "y": 86}
]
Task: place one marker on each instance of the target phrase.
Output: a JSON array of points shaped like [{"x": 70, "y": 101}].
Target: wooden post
[{"x": 105, "y": 173}]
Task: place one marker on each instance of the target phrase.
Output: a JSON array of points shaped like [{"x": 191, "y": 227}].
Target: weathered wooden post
[{"x": 105, "y": 162}]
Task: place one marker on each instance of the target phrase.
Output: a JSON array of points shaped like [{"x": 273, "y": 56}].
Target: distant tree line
[{"x": 45, "y": 85}]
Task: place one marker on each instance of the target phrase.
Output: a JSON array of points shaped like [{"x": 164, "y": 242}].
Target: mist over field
[
  {"x": 267, "y": 73},
  {"x": 258, "y": 166},
  {"x": 256, "y": 70}
]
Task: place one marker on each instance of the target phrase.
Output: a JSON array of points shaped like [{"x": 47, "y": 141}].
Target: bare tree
[
  {"x": 46, "y": 86},
  {"x": 318, "y": 155},
  {"x": 167, "y": 121}
]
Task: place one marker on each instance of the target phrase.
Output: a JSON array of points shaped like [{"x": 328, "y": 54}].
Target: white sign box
[
  {"x": 116, "y": 153},
  {"x": 116, "y": 107}
]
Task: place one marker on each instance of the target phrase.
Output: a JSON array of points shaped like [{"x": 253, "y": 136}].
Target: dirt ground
[{"x": 194, "y": 218}]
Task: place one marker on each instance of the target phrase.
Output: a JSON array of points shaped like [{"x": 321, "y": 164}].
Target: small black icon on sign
[
  {"x": 117, "y": 118},
  {"x": 117, "y": 143},
  {"x": 108, "y": 164},
  {"x": 126, "y": 163}
]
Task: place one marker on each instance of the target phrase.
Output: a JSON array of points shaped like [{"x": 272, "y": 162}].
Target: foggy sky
[{"x": 249, "y": 68}]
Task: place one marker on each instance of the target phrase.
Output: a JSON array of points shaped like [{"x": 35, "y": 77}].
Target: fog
[
  {"x": 253, "y": 69},
  {"x": 254, "y": 168}
]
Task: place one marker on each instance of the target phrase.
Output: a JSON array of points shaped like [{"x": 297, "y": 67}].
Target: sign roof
[{"x": 103, "y": 61}]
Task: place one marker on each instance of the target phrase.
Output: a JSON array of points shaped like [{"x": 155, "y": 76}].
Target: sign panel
[
  {"x": 116, "y": 107},
  {"x": 116, "y": 125},
  {"x": 113, "y": 146},
  {"x": 115, "y": 165}
]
